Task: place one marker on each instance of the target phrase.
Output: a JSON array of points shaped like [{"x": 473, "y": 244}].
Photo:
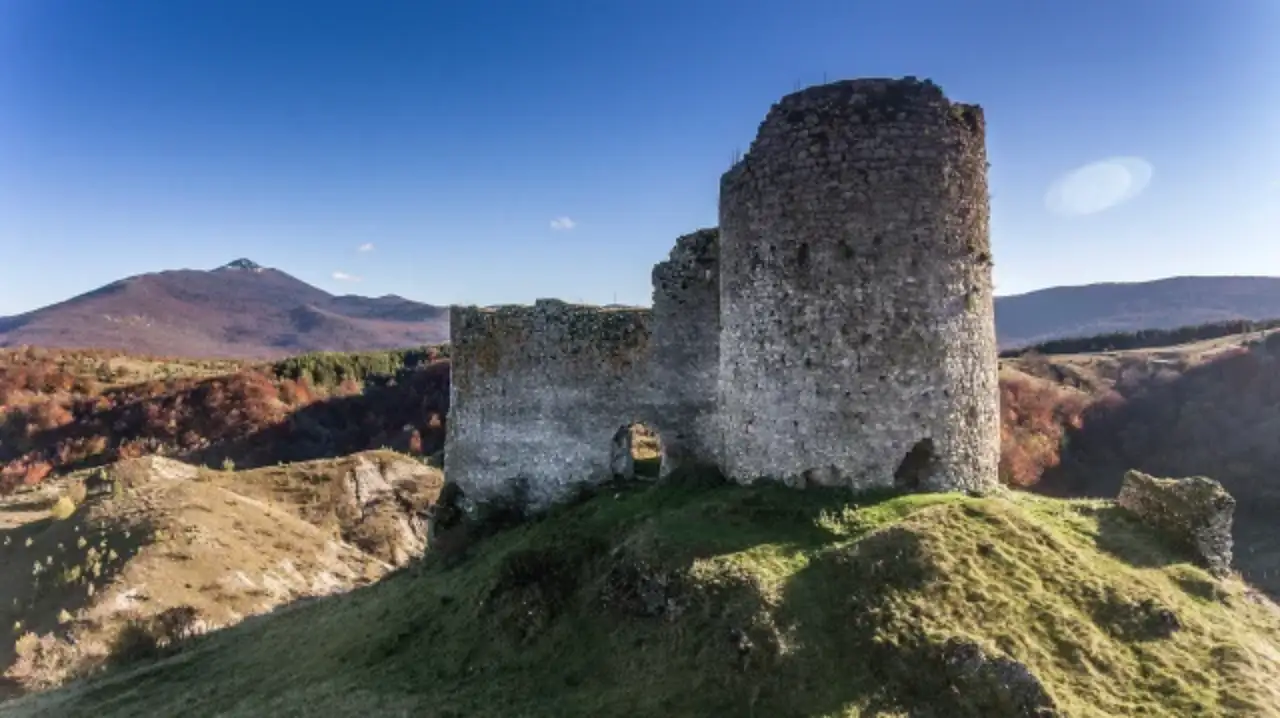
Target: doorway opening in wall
[
  {"x": 646, "y": 451},
  {"x": 916, "y": 466},
  {"x": 637, "y": 452}
]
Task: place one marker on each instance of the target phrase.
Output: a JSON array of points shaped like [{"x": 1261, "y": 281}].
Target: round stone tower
[{"x": 857, "y": 342}]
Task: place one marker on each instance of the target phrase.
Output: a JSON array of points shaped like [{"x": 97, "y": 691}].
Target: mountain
[
  {"x": 244, "y": 310},
  {"x": 1092, "y": 309},
  {"x": 239, "y": 310}
]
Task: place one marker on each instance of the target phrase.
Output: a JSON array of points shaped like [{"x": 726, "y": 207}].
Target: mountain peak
[{"x": 243, "y": 264}]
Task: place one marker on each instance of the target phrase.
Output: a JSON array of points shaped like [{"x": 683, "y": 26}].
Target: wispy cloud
[
  {"x": 366, "y": 247},
  {"x": 563, "y": 223},
  {"x": 344, "y": 277}
]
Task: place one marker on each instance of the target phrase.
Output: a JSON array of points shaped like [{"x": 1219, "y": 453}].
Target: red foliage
[
  {"x": 258, "y": 420},
  {"x": 294, "y": 393},
  {"x": 131, "y": 449},
  {"x": 1034, "y": 417},
  {"x": 49, "y": 415},
  {"x": 248, "y": 415},
  {"x": 36, "y": 472}
]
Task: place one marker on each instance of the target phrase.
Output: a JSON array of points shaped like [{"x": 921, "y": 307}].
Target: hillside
[
  {"x": 63, "y": 411},
  {"x": 1083, "y": 311},
  {"x": 240, "y": 310},
  {"x": 747, "y": 601},
  {"x": 1072, "y": 425},
  {"x": 154, "y": 539},
  {"x": 679, "y": 601}
]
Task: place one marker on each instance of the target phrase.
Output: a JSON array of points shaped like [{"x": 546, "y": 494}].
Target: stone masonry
[
  {"x": 856, "y": 292},
  {"x": 1195, "y": 512},
  {"x": 538, "y": 395},
  {"x": 685, "y": 363},
  {"x": 837, "y": 329}
]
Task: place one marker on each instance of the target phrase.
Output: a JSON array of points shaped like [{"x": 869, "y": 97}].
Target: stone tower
[{"x": 857, "y": 343}]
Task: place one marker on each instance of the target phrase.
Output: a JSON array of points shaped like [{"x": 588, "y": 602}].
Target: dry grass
[
  {"x": 85, "y": 585},
  {"x": 645, "y": 445}
]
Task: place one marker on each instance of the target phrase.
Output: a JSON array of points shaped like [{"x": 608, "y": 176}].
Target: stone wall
[
  {"x": 1195, "y": 513},
  {"x": 857, "y": 341},
  {"x": 838, "y": 328},
  {"x": 686, "y": 352},
  {"x": 539, "y": 395}
]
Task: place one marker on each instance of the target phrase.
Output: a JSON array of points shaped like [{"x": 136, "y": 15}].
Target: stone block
[{"x": 1194, "y": 512}]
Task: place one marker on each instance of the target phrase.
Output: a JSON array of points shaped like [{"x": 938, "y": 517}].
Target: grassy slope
[{"x": 732, "y": 601}]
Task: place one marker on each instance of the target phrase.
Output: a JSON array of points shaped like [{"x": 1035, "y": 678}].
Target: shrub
[
  {"x": 63, "y": 508},
  {"x": 147, "y": 639},
  {"x": 36, "y": 472},
  {"x": 135, "y": 642},
  {"x": 1034, "y": 418},
  {"x": 41, "y": 662}
]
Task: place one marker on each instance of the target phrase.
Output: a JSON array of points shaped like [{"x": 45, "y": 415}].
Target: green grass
[{"x": 743, "y": 602}]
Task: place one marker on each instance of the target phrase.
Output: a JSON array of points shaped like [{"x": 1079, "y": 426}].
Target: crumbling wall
[
  {"x": 1195, "y": 513},
  {"x": 857, "y": 338},
  {"x": 537, "y": 397},
  {"x": 686, "y": 352}
]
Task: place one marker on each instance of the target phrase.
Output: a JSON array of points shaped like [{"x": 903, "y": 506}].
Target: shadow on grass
[
  {"x": 73, "y": 556},
  {"x": 43, "y": 503},
  {"x": 643, "y": 601},
  {"x": 831, "y": 637},
  {"x": 858, "y": 646},
  {"x": 1127, "y": 538},
  {"x": 1256, "y": 552}
]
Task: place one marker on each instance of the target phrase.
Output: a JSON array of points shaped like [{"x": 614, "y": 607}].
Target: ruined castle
[{"x": 837, "y": 329}]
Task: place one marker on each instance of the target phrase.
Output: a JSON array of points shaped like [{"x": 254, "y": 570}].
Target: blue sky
[{"x": 143, "y": 135}]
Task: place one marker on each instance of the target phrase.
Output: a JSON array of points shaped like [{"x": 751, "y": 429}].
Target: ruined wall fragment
[
  {"x": 1195, "y": 513},
  {"x": 538, "y": 395},
  {"x": 686, "y": 352},
  {"x": 857, "y": 339}
]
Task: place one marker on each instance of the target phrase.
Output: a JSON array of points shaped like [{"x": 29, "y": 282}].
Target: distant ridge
[
  {"x": 245, "y": 310},
  {"x": 239, "y": 310},
  {"x": 1091, "y": 309}
]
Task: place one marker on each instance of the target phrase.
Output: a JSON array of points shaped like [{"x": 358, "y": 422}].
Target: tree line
[{"x": 1143, "y": 338}]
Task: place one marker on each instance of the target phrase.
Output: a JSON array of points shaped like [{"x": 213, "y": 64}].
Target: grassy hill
[{"x": 747, "y": 601}]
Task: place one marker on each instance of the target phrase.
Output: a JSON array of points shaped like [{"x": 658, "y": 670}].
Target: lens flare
[{"x": 1098, "y": 186}]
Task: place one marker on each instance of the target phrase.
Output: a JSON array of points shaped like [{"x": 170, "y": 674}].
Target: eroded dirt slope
[{"x": 152, "y": 535}]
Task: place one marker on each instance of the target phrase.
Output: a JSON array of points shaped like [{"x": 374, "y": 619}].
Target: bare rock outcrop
[
  {"x": 385, "y": 510},
  {"x": 1001, "y": 685}
]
